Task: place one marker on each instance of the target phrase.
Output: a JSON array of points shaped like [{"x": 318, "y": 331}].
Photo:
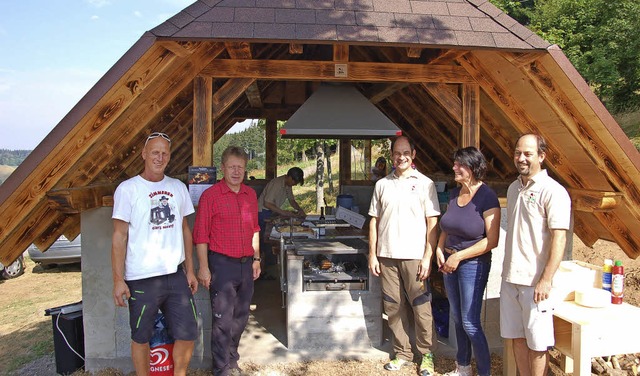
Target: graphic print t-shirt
[{"x": 154, "y": 211}]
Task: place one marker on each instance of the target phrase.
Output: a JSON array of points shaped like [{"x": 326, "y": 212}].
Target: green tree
[{"x": 600, "y": 38}]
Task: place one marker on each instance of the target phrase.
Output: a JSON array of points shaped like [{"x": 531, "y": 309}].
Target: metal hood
[{"x": 338, "y": 111}]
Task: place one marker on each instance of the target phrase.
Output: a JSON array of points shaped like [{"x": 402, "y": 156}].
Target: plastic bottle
[
  {"x": 606, "y": 274},
  {"x": 617, "y": 283}
]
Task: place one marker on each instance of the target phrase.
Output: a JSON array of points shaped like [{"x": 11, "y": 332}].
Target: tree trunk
[
  {"x": 319, "y": 176},
  {"x": 327, "y": 154}
]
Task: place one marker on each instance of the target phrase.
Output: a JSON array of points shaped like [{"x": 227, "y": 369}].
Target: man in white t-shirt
[
  {"x": 151, "y": 256},
  {"x": 402, "y": 236},
  {"x": 538, "y": 218}
]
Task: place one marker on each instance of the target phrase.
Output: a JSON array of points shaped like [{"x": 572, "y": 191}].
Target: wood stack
[{"x": 616, "y": 365}]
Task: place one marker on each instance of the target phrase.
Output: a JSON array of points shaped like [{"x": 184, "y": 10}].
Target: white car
[{"x": 62, "y": 251}]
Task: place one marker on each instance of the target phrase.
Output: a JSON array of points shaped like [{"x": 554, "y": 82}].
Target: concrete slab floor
[{"x": 265, "y": 337}]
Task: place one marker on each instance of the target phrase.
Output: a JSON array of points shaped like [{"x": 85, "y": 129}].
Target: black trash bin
[{"x": 68, "y": 337}]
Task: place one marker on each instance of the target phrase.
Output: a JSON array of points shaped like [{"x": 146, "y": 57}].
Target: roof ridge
[{"x": 514, "y": 27}]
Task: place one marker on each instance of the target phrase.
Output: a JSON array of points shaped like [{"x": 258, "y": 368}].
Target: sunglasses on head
[{"x": 156, "y": 135}]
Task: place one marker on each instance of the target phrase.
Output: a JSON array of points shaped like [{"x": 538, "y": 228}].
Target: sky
[{"x": 53, "y": 52}]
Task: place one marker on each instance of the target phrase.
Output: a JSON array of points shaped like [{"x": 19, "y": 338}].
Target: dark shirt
[{"x": 464, "y": 225}]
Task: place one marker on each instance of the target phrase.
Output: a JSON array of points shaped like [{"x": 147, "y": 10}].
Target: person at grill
[
  {"x": 146, "y": 256},
  {"x": 270, "y": 202},
  {"x": 538, "y": 218},
  {"x": 226, "y": 237},
  {"x": 404, "y": 210},
  {"x": 470, "y": 229}
]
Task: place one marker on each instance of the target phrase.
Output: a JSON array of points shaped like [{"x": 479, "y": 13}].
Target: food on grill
[{"x": 325, "y": 264}]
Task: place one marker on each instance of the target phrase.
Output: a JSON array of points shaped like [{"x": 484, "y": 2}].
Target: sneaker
[
  {"x": 426, "y": 366},
  {"x": 396, "y": 364},
  {"x": 460, "y": 371}
]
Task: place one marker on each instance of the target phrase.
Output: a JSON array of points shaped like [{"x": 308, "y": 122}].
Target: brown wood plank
[
  {"x": 591, "y": 142},
  {"x": 296, "y": 48},
  {"x": 77, "y": 200},
  {"x": 324, "y": 71},
  {"x": 253, "y": 95},
  {"x": 519, "y": 118},
  {"x": 592, "y": 201},
  {"x": 584, "y": 226},
  {"x": 341, "y": 53},
  {"x": 138, "y": 119},
  {"x": 470, "y": 134},
  {"x": 229, "y": 93},
  {"x": 380, "y": 92},
  {"x": 202, "y": 121},
  {"x": 414, "y": 52},
  {"x": 239, "y": 50},
  {"x": 180, "y": 49},
  {"x": 271, "y": 146}
]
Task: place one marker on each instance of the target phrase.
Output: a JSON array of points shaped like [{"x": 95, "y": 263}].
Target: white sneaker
[{"x": 460, "y": 371}]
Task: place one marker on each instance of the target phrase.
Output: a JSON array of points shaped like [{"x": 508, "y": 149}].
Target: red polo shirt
[{"x": 226, "y": 220}]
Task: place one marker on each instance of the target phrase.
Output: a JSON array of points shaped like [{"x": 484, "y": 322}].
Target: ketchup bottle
[{"x": 617, "y": 283}]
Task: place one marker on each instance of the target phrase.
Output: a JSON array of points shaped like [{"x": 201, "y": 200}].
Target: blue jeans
[{"x": 465, "y": 288}]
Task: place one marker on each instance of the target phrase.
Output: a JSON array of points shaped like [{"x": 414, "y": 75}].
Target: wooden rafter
[
  {"x": 518, "y": 116},
  {"x": 594, "y": 201}
]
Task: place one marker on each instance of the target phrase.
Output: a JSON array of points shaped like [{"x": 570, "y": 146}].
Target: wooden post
[
  {"x": 367, "y": 160},
  {"x": 271, "y": 149},
  {"x": 345, "y": 160},
  {"x": 202, "y": 121},
  {"x": 470, "y": 134}
]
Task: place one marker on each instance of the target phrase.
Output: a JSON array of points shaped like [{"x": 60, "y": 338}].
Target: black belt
[{"x": 240, "y": 260}]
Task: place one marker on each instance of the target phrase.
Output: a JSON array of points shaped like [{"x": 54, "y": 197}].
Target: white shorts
[{"x": 520, "y": 317}]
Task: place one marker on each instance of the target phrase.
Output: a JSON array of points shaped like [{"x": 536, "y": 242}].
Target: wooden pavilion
[{"x": 449, "y": 73}]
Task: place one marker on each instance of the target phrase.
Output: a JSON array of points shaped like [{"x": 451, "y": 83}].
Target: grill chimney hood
[{"x": 338, "y": 111}]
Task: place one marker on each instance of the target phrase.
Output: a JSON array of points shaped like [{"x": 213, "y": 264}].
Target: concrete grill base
[{"x": 329, "y": 320}]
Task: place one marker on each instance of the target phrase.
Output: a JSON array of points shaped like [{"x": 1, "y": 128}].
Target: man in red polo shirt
[{"x": 226, "y": 237}]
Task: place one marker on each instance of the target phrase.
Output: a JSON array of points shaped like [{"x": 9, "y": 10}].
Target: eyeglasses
[{"x": 156, "y": 135}]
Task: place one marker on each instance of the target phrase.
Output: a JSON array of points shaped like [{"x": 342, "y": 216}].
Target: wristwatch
[{"x": 257, "y": 259}]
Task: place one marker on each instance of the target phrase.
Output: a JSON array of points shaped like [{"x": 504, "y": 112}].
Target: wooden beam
[
  {"x": 180, "y": 49},
  {"x": 271, "y": 146},
  {"x": 447, "y": 57},
  {"x": 265, "y": 113},
  {"x": 296, "y": 48},
  {"x": 345, "y": 159},
  {"x": 77, "y": 200},
  {"x": 202, "y": 121},
  {"x": 584, "y": 230},
  {"x": 592, "y": 201},
  {"x": 341, "y": 53},
  {"x": 380, "y": 92},
  {"x": 78, "y": 158},
  {"x": 448, "y": 100},
  {"x": 522, "y": 59},
  {"x": 520, "y": 119},
  {"x": 574, "y": 123},
  {"x": 470, "y": 134},
  {"x": 414, "y": 52},
  {"x": 239, "y": 50},
  {"x": 229, "y": 93},
  {"x": 253, "y": 95},
  {"x": 325, "y": 71}
]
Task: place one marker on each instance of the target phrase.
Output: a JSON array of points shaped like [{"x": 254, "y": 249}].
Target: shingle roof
[{"x": 461, "y": 23}]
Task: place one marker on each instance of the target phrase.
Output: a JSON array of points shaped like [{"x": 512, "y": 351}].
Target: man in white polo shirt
[
  {"x": 538, "y": 217},
  {"x": 404, "y": 213}
]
